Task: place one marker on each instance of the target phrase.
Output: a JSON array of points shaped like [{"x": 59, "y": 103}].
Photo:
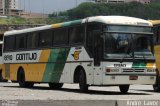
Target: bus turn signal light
[{"x": 108, "y": 70}]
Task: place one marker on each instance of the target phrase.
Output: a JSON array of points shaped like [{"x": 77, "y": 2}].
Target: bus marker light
[{"x": 108, "y": 70}]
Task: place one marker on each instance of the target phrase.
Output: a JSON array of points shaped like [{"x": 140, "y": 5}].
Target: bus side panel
[
  {"x": 55, "y": 65},
  {"x": 33, "y": 72},
  {"x": 78, "y": 57},
  {"x": 157, "y": 55}
]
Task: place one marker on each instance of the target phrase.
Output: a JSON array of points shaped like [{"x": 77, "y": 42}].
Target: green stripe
[
  {"x": 139, "y": 65},
  {"x": 71, "y": 23},
  {"x": 53, "y": 71}
]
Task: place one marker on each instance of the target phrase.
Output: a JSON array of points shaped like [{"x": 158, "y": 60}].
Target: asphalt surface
[{"x": 12, "y": 95}]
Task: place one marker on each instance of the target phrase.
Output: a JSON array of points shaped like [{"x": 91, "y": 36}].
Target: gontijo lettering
[{"x": 26, "y": 56}]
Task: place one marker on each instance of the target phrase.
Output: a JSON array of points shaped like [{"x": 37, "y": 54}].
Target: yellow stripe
[
  {"x": 44, "y": 55},
  {"x": 56, "y": 25}
]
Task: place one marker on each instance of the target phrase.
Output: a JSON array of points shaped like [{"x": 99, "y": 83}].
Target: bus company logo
[{"x": 76, "y": 55}]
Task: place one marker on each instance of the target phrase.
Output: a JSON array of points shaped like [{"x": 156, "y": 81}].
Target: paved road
[
  {"x": 41, "y": 92},
  {"x": 12, "y": 91}
]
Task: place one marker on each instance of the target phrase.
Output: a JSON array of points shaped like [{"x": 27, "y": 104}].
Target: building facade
[{"x": 9, "y": 7}]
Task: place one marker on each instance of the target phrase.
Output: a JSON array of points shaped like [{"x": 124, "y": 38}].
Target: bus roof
[
  {"x": 121, "y": 20},
  {"x": 155, "y": 22},
  {"x": 115, "y": 20}
]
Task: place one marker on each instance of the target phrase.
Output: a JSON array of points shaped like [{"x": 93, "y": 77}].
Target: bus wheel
[
  {"x": 82, "y": 81},
  {"x": 124, "y": 88},
  {"x": 21, "y": 80},
  {"x": 1, "y": 78},
  {"x": 156, "y": 87},
  {"x": 55, "y": 85}
]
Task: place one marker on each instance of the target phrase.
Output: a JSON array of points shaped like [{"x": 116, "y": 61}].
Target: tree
[{"x": 134, "y": 9}]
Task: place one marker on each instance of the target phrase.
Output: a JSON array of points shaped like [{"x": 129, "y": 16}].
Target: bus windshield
[{"x": 120, "y": 45}]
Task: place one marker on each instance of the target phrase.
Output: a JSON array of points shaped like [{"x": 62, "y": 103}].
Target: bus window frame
[
  {"x": 9, "y": 50},
  {"x": 54, "y": 44},
  {"x": 39, "y": 38},
  {"x": 84, "y": 34},
  {"x": 25, "y": 40},
  {"x": 36, "y": 43}
]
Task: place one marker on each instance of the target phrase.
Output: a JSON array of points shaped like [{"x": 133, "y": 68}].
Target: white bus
[{"x": 100, "y": 50}]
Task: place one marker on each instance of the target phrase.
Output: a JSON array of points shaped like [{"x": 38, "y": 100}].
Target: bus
[
  {"x": 95, "y": 51},
  {"x": 156, "y": 29},
  {"x": 1, "y": 78}
]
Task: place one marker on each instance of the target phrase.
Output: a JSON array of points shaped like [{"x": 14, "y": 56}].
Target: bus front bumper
[{"x": 129, "y": 79}]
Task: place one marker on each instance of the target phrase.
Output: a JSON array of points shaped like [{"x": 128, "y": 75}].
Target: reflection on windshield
[
  {"x": 118, "y": 45},
  {"x": 142, "y": 47}
]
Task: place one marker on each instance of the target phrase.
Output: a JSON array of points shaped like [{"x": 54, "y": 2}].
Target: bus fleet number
[{"x": 8, "y": 57}]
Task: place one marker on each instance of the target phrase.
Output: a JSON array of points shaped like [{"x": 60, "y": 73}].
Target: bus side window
[
  {"x": 9, "y": 43},
  {"x": 76, "y": 35},
  {"x": 158, "y": 35},
  {"x": 60, "y": 36},
  {"x": 32, "y": 40},
  {"x": 21, "y": 41},
  {"x": 0, "y": 49},
  {"x": 91, "y": 28},
  {"x": 45, "y": 38}
]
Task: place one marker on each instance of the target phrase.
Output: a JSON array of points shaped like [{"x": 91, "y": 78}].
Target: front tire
[
  {"x": 55, "y": 85},
  {"x": 82, "y": 81},
  {"x": 156, "y": 87},
  {"x": 124, "y": 88}
]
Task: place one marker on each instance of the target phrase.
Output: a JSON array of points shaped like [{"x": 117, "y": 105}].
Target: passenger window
[
  {"x": 21, "y": 41},
  {"x": 9, "y": 43},
  {"x": 32, "y": 40},
  {"x": 60, "y": 36},
  {"x": 158, "y": 35},
  {"x": 76, "y": 35},
  {"x": 45, "y": 38}
]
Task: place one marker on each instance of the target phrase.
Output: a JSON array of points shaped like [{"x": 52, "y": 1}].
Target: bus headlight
[{"x": 150, "y": 70}]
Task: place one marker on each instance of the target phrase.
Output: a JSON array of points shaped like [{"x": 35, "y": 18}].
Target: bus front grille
[{"x": 133, "y": 70}]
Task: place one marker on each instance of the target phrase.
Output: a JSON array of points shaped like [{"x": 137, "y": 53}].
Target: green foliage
[
  {"x": 19, "y": 20},
  {"x": 12, "y": 20},
  {"x": 134, "y": 9}
]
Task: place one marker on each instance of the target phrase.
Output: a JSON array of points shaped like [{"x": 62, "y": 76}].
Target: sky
[{"x": 48, "y": 6}]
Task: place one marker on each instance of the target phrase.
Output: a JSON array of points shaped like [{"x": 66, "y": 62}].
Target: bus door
[
  {"x": 94, "y": 45},
  {"x": 97, "y": 54}
]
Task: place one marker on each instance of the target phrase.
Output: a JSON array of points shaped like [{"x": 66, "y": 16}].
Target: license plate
[{"x": 133, "y": 77}]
